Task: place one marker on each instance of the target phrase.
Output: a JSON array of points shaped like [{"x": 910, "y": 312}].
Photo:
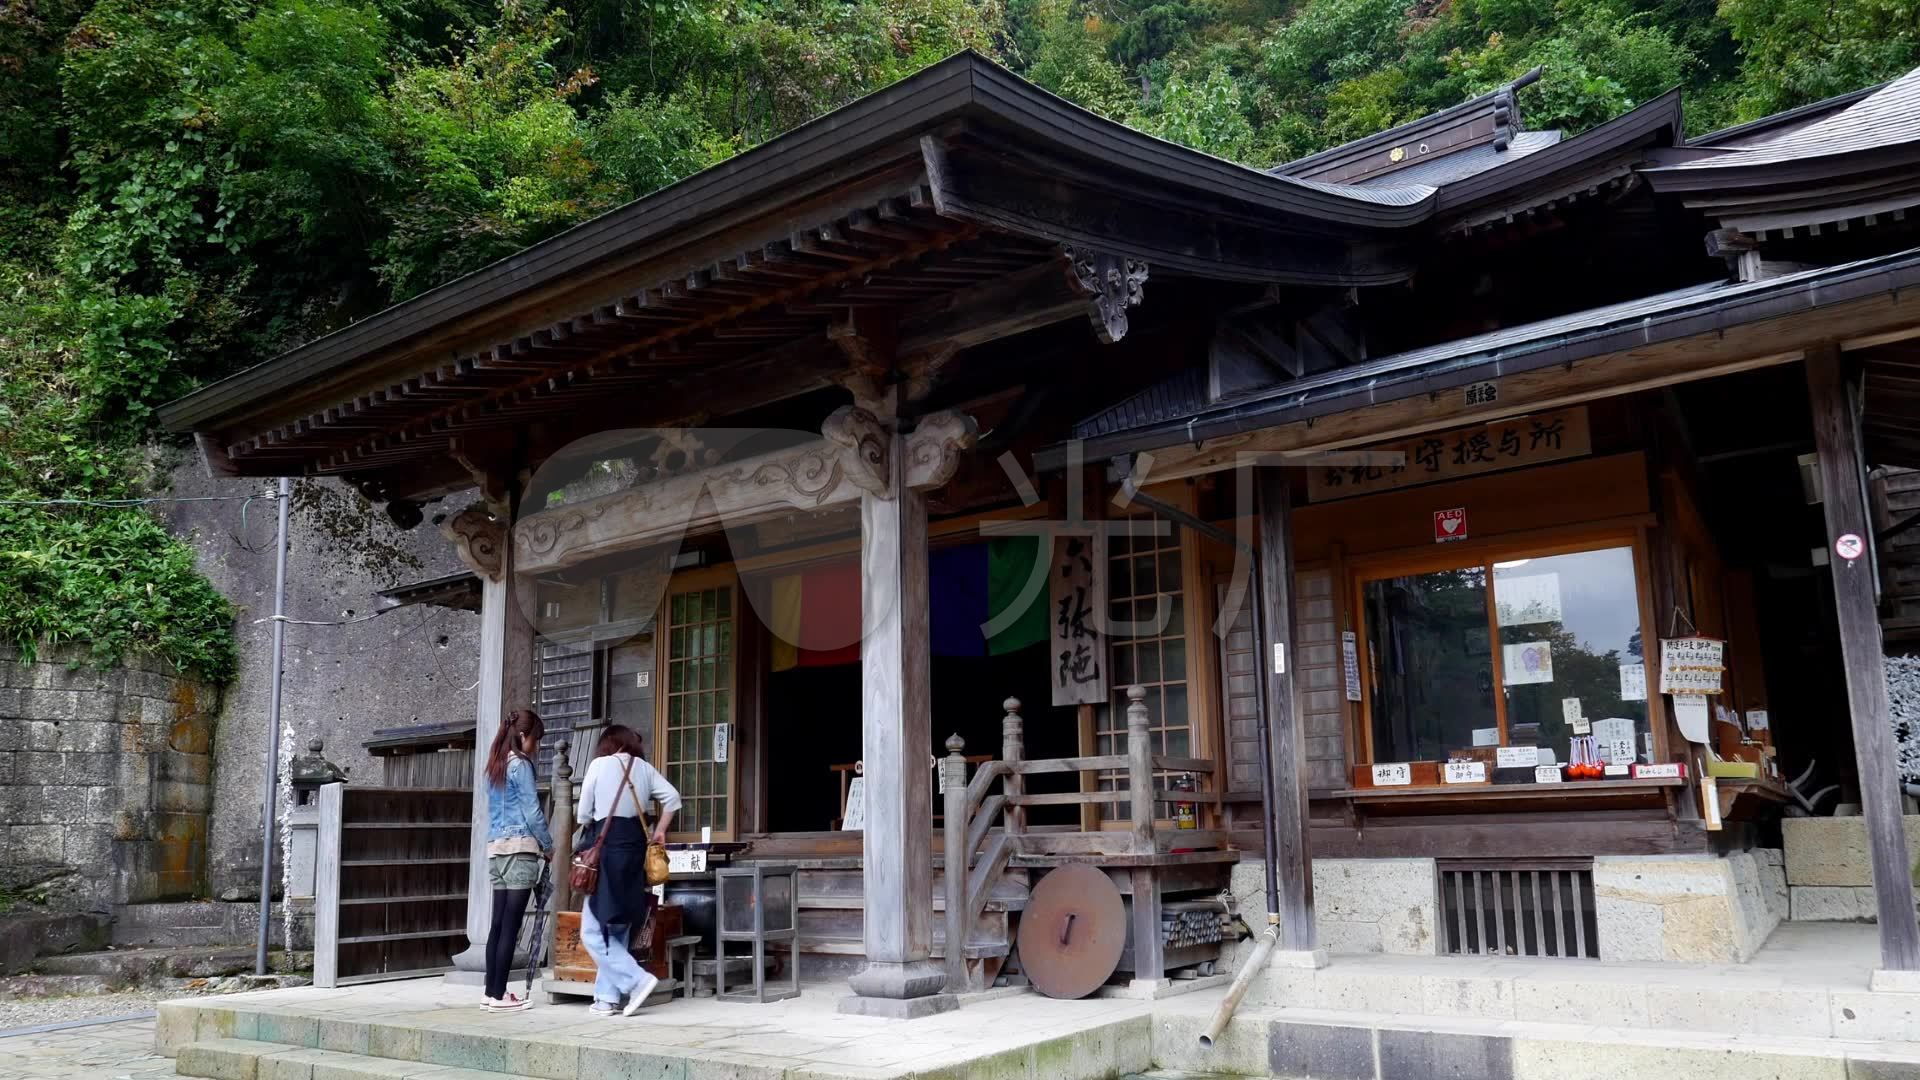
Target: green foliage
[{"x": 189, "y": 186}]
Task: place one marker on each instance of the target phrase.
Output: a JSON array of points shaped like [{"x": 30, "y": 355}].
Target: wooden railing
[{"x": 976, "y": 855}]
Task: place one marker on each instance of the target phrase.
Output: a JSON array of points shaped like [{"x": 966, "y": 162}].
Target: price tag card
[
  {"x": 687, "y": 861},
  {"x": 1397, "y": 774},
  {"x": 1465, "y": 772},
  {"x": 1547, "y": 774},
  {"x": 1671, "y": 770},
  {"x": 1517, "y": 757},
  {"x": 1618, "y": 770}
]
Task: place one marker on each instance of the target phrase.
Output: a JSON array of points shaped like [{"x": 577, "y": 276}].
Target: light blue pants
[{"x": 616, "y": 972}]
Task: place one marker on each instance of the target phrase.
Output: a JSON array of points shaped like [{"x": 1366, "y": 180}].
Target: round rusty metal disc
[{"x": 1072, "y": 932}]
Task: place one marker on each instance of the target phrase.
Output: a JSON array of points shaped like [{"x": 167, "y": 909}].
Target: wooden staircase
[{"x": 833, "y": 907}]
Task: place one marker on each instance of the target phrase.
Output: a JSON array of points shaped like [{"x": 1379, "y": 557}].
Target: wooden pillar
[
  {"x": 1140, "y": 769},
  {"x": 1013, "y": 743},
  {"x": 900, "y": 979},
  {"x": 1292, "y": 855},
  {"x": 955, "y": 860},
  {"x": 506, "y": 683},
  {"x": 1836, "y": 435}
]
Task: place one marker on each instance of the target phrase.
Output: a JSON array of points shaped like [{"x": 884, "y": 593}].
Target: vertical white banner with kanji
[{"x": 1077, "y": 591}]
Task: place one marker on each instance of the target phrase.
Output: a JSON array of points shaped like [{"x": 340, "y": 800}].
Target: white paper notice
[
  {"x": 1691, "y": 665},
  {"x": 1756, "y": 719},
  {"x": 1633, "y": 682},
  {"x": 1350, "y": 660},
  {"x": 1397, "y": 774},
  {"x": 1486, "y": 736},
  {"x": 1548, "y": 774},
  {"x": 1534, "y": 598},
  {"x": 1517, "y": 757},
  {"x": 1570, "y": 710},
  {"x": 1527, "y": 662},
  {"x": 1465, "y": 772},
  {"x": 1690, "y": 713},
  {"x": 721, "y": 737},
  {"x": 688, "y": 861},
  {"x": 856, "y": 820}
]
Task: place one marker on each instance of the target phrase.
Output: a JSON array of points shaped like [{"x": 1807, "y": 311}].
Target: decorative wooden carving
[
  {"x": 478, "y": 539},
  {"x": 1114, "y": 284},
  {"x": 864, "y": 439},
  {"x": 850, "y": 459},
  {"x": 933, "y": 450}
]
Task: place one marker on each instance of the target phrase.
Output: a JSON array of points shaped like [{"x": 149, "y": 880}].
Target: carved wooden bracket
[
  {"x": 1113, "y": 283},
  {"x": 479, "y": 539},
  {"x": 848, "y": 462}
]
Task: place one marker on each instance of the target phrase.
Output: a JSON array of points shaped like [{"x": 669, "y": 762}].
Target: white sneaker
[
  {"x": 510, "y": 1003},
  {"x": 603, "y": 1008},
  {"x": 641, "y": 992}
]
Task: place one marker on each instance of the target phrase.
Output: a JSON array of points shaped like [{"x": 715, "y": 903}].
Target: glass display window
[{"x": 1509, "y": 649}]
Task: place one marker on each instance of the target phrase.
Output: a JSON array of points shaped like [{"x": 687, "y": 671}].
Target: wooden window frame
[
  {"x": 1538, "y": 544},
  {"x": 682, "y": 583},
  {"x": 1198, "y": 610}
]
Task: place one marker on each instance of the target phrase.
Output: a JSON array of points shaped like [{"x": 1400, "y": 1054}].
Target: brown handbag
[{"x": 585, "y": 877}]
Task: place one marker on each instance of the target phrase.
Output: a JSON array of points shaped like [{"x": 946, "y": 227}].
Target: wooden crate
[{"x": 573, "y": 963}]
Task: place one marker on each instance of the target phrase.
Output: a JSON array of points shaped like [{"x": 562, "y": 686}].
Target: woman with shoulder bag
[
  {"x": 612, "y": 867},
  {"x": 518, "y": 845}
]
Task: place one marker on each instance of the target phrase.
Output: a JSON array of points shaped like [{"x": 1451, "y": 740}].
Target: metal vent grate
[{"x": 1539, "y": 907}]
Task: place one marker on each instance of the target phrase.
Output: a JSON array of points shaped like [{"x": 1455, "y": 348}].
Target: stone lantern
[{"x": 309, "y": 773}]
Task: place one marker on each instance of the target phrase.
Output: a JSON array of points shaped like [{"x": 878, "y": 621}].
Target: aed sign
[{"x": 1449, "y": 525}]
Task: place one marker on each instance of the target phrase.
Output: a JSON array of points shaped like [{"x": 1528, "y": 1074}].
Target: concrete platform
[
  {"x": 426, "y": 1028},
  {"x": 1801, "y": 1009}
]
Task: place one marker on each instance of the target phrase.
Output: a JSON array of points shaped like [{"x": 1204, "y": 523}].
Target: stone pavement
[{"x": 120, "y": 1050}]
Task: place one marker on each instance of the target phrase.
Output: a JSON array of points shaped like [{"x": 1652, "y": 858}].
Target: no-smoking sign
[{"x": 1848, "y": 546}]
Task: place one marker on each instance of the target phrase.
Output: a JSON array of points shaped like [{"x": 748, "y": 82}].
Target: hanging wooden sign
[
  {"x": 1077, "y": 591},
  {"x": 1449, "y": 455}
]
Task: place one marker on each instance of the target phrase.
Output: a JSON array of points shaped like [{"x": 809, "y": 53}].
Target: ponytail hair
[{"x": 521, "y": 724}]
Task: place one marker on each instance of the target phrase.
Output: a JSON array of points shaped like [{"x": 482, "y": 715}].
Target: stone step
[
  {"x": 1294, "y": 1044},
  {"x": 244, "y": 1059},
  {"x": 134, "y": 966}
]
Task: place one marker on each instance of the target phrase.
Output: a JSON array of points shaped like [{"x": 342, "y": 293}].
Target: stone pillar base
[
  {"x": 901, "y": 991},
  {"x": 1306, "y": 960},
  {"x": 1887, "y": 981},
  {"x": 912, "y": 1008},
  {"x": 471, "y": 959},
  {"x": 896, "y": 979}
]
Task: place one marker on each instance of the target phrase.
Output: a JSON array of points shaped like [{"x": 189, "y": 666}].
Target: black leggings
[{"x": 509, "y": 905}]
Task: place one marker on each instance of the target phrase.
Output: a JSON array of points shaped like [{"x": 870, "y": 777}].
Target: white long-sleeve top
[{"x": 602, "y": 781}]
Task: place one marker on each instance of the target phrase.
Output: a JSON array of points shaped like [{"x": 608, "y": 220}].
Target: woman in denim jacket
[{"x": 518, "y": 845}]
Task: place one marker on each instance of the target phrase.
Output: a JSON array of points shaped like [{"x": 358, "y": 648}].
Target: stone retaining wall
[
  {"x": 1695, "y": 908},
  {"x": 1829, "y": 870},
  {"x": 1700, "y": 908},
  {"x": 1360, "y": 905},
  {"x": 105, "y": 781}
]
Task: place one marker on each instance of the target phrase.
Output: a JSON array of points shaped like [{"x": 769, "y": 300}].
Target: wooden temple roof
[
  {"x": 719, "y": 293},
  {"x": 1657, "y": 339}
]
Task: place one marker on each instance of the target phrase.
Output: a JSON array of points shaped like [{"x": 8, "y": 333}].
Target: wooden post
[
  {"x": 955, "y": 861},
  {"x": 900, "y": 979},
  {"x": 1292, "y": 855},
  {"x": 562, "y": 827},
  {"x": 1140, "y": 769},
  {"x": 326, "y": 890},
  {"x": 1836, "y": 435},
  {"x": 1149, "y": 947},
  {"x": 1013, "y": 744}
]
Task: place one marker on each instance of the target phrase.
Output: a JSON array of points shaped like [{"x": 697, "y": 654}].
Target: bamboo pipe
[{"x": 1254, "y": 965}]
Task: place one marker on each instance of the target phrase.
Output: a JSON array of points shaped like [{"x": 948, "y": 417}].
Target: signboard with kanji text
[{"x": 1449, "y": 455}]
